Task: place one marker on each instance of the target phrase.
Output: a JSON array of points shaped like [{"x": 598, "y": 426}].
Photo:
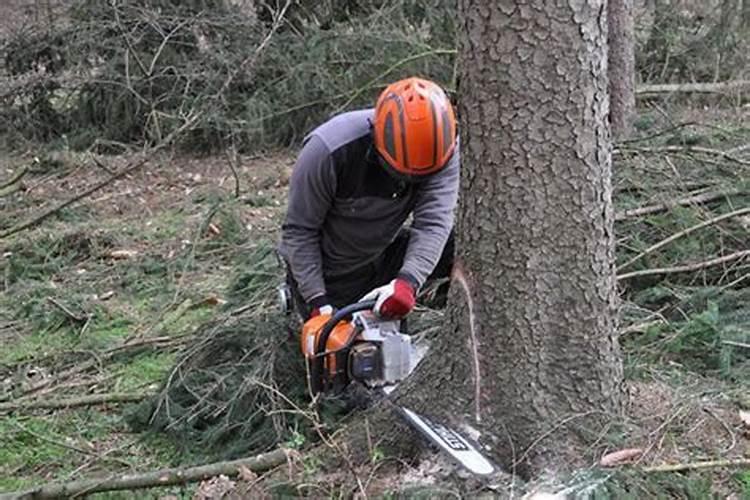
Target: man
[{"x": 357, "y": 180}]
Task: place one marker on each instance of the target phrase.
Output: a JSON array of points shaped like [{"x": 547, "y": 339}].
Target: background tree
[
  {"x": 621, "y": 66},
  {"x": 530, "y": 344}
]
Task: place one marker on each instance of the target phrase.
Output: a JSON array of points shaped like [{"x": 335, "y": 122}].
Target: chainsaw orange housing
[{"x": 339, "y": 337}]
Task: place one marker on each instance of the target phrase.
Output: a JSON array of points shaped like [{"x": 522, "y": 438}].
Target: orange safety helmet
[{"x": 415, "y": 127}]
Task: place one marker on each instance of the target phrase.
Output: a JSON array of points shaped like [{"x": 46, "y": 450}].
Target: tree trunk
[
  {"x": 621, "y": 66},
  {"x": 529, "y": 355}
]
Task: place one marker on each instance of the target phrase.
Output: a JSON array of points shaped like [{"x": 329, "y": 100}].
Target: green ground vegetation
[{"x": 163, "y": 284}]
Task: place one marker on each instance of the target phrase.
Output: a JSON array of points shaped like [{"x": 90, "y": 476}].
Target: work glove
[{"x": 394, "y": 300}]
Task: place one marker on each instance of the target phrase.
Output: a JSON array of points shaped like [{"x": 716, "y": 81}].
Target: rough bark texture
[
  {"x": 621, "y": 66},
  {"x": 530, "y": 357}
]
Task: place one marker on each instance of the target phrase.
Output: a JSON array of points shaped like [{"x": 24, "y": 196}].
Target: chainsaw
[{"x": 355, "y": 346}]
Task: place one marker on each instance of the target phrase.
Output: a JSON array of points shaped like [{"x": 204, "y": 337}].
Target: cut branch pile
[{"x": 128, "y": 72}]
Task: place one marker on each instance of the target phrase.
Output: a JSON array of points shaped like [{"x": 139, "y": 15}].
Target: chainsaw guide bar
[{"x": 451, "y": 442}]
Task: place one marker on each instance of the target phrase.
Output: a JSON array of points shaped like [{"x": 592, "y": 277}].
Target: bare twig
[
  {"x": 15, "y": 178},
  {"x": 693, "y": 88},
  {"x": 101, "y": 165},
  {"x": 106, "y": 355},
  {"x": 391, "y": 69},
  {"x": 735, "y": 344},
  {"x": 70, "y": 314},
  {"x": 189, "y": 122},
  {"x": 52, "y": 211},
  {"x": 686, "y": 268},
  {"x": 726, "y": 427},
  {"x": 89, "y": 400},
  {"x": 683, "y": 149},
  {"x": 548, "y": 433},
  {"x": 663, "y": 207},
  {"x": 641, "y": 327},
  {"x": 131, "y": 50},
  {"x": 9, "y": 190},
  {"x": 250, "y": 61},
  {"x": 233, "y": 160},
  {"x": 153, "y": 479},
  {"x": 709, "y": 464},
  {"x": 685, "y": 232},
  {"x": 62, "y": 444}
]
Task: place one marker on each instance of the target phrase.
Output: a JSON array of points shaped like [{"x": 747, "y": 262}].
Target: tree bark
[
  {"x": 529, "y": 355},
  {"x": 621, "y": 66}
]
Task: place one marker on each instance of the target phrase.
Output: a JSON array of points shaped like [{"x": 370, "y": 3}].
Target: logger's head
[{"x": 414, "y": 129}]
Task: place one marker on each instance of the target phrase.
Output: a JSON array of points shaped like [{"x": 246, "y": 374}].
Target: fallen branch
[
  {"x": 685, "y": 232},
  {"x": 686, "y": 268},
  {"x": 640, "y": 327},
  {"x": 52, "y": 211},
  {"x": 735, "y": 344},
  {"x": 663, "y": 207},
  {"x": 692, "y": 88},
  {"x": 165, "y": 341},
  {"x": 683, "y": 149},
  {"x": 89, "y": 400},
  {"x": 70, "y": 314},
  {"x": 17, "y": 177},
  {"x": 709, "y": 464},
  {"x": 153, "y": 479},
  {"x": 147, "y": 155},
  {"x": 13, "y": 188}
]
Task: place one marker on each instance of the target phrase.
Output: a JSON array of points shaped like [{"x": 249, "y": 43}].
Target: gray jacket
[{"x": 345, "y": 208}]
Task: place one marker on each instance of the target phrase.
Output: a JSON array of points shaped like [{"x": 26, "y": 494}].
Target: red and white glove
[{"x": 394, "y": 300}]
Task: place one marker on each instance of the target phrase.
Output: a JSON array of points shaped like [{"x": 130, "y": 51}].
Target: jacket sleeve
[
  {"x": 311, "y": 193},
  {"x": 432, "y": 222}
]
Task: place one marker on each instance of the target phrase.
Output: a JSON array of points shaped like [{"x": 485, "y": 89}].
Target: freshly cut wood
[
  {"x": 620, "y": 456},
  {"x": 153, "y": 479},
  {"x": 122, "y": 254}
]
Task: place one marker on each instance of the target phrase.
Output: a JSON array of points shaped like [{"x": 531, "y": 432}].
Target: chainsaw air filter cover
[{"x": 383, "y": 354}]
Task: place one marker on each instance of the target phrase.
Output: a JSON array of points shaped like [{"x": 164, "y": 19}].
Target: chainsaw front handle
[{"x": 344, "y": 312}]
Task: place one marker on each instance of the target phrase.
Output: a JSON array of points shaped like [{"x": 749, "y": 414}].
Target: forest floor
[{"x": 100, "y": 298}]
